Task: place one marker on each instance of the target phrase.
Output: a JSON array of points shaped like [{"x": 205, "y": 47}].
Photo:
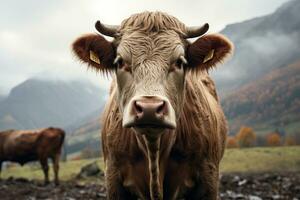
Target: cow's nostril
[
  {"x": 161, "y": 108},
  {"x": 149, "y": 112},
  {"x": 138, "y": 108}
]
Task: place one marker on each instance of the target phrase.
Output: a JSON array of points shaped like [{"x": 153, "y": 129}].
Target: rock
[
  {"x": 252, "y": 197},
  {"x": 82, "y": 192},
  {"x": 236, "y": 179},
  {"x": 70, "y": 198},
  {"x": 91, "y": 169},
  {"x": 102, "y": 195},
  {"x": 277, "y": 196},
  {"x": 79, "y": 185},
  {"x": 240, "y": 183}
]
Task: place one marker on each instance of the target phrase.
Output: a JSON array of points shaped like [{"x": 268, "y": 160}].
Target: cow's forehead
[{"x": 138, "y": 46}]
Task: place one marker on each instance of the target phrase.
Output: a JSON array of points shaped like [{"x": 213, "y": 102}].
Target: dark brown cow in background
[
  {"x": 164, "y": 130},
  {"x": 23, "y": 146}
]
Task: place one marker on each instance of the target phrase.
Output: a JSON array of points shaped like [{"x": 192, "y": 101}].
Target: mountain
[
  {"x": 85, "y": 133},
  {"x": 271, "y": 102},
  {"x": 39, "y": 103},
  {"x": 91, "y": 122},
  {"x": 261, "y": 45},
  {"x": 1, "y": 97}
]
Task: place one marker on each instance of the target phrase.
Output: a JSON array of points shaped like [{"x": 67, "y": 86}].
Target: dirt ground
[
  {"x": 261, "y": 186},
  {"x": 275, "y": 186}
]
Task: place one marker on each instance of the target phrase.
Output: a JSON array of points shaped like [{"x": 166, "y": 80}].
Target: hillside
[
  {"x": 2, "y": 97},
  {"x": 268, "y": 103},
  {"x": 39, "y": 103},
  {"x": 261, "y": 45},
  {"x": 84, "y": 133},
  {"x": 90, "y": 122}
]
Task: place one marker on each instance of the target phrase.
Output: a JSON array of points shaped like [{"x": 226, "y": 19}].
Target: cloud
[{"x": 35, "y": 36}]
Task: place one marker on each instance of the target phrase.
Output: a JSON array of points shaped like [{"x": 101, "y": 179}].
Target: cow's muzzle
[{"x": 149, "y": 112}]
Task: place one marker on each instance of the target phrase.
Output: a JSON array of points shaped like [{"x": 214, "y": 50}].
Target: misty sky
[{"x": 35, "y": 36}]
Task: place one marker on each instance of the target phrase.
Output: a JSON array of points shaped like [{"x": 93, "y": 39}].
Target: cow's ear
[
  {"x": 208, "y": 51},
  {"x": 96, "y": 51}
]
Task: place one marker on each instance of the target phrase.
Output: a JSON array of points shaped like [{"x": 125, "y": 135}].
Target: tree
[
  {"x": 246, "y": 137},
  {"x": 289, "y": 141},
  {"x": 296, "y": 136},
  {"x": 232, "y": 142},
  {"x": 273, "y": 139}
]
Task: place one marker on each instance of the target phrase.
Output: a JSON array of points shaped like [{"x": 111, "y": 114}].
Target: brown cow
[
  {"x": 31, "y": 145},
  {"x": 163, "y": 128}
]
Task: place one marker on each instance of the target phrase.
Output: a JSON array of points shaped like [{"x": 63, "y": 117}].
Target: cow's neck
[{"x": 153, "y": 154}]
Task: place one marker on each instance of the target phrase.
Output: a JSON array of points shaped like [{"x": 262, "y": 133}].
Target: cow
[
  {"x": 163, "y": 129},
  {"x": 24, "y": 146}
]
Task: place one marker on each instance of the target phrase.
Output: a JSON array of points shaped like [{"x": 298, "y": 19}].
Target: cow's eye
[
  {"x": 119, "y": 61},
  {"x": 179, "y": 63},
  {"x": 121, "y": 64}
]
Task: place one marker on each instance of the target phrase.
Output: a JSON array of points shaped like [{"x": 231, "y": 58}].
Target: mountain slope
[
  {"x": 1, "y": 97},
  {"x": 261, "y": 45},
  {"x": 39, "y": 103},
  {"x": 268, "y": 103},
  {"x": 89, "y": 123},
  {"x": 84, "y": 133}
]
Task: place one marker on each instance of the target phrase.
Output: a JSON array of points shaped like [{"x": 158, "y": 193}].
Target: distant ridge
[
  {"x": 39, "y": 103},
  {"x": 261, "y": 44},
  {"x": 271, "y": 102}
]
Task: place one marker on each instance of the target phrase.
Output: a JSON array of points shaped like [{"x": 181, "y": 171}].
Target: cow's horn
[
  {"x": 108, "y": 30},
  {"x": 196, "y": 31}
]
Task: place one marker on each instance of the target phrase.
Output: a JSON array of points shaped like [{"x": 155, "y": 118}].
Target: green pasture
[{"x": 246, "y": 160}]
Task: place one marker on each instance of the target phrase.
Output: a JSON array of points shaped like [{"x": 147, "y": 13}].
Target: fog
[{"x": 257, "y": 53}]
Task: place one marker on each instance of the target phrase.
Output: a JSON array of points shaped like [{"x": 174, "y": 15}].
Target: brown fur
[
  {"x": 31, "y": 145},
  {"x": 189, "y": 156},
  {"x": 197, "y": 51},
  {"x": 100, "y": 46},
  {"x": 152, "y": 22},
  {"x": 181, "y": 163}
]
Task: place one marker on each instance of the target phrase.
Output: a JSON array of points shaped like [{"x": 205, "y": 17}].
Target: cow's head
[{"x": 150, "y": 57}]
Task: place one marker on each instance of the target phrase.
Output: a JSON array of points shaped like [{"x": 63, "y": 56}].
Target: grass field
[
  {"x": 68, "y": 170},
  {"x": 265, "y": 159},
  {"x": 235, "y": 160}
]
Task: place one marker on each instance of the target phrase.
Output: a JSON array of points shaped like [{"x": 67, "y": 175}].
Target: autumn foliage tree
[
  {"x": 289, "y": 141},
  {"x": 273, "y": 139},
  {"x": 246, "y": 137},
  {"x": 232, "y": 142}
]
